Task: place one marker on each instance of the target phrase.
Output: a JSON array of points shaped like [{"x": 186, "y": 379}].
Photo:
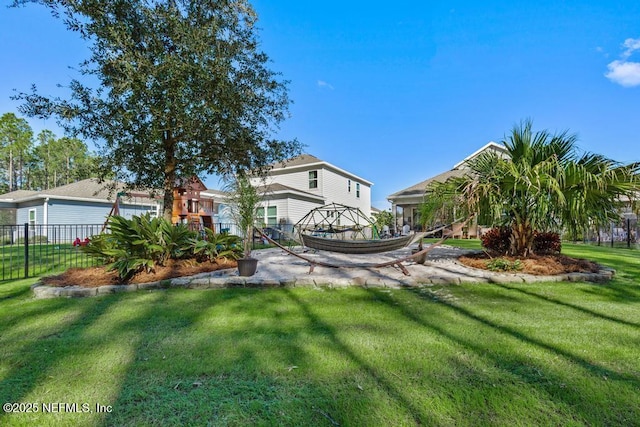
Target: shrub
[
  {"x": 99, "y": 246},
  {"x": 177, "y": 240},
  {"x": 547, "y": 243},
  {"x": 496, "y": 240},
  {"x": 501, "y": 264},
  {"x": 214, "y": 246},
  {"x": 140, "y": 243}
]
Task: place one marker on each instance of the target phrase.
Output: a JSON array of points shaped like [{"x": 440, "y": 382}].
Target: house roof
[
  {"x": 272, "y": 191},
  {"x": 419, "y": 188},
  {"x": 18, "y": 194},
  {"x": 276, "y": 188},
  {"x": 88, "y": 190},
  {"x": 458, "y": 170},
  {"x": 488, "y": 146},
  {"x": 305, "y": 161}
]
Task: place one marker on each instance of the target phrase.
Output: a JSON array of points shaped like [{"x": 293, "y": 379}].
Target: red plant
[{"x": 496, "y": 241}]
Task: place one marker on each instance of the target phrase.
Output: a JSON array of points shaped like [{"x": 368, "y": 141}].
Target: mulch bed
[
  {"x": 93, "y": 277},
  {"x": 539, "y": 265}
]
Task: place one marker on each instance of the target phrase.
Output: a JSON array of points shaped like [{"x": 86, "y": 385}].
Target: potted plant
[{"x": 244, "y": 201}]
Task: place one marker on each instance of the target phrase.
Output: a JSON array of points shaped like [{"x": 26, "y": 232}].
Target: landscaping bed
[
  {"x": 539, "y": 265},
  {"x": 100, "y": 276}
]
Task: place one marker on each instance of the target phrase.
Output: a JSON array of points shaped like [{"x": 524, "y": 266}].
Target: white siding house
[{"x": 295, "y": 187}]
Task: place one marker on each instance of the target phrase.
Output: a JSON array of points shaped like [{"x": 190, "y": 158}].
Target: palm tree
[{"x": 543, "y": 184}]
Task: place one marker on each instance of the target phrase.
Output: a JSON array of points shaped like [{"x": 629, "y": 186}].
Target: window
[
  {"x": 349, "y": 185},
  {"x": 32, "y": 217},
  {"x": 313, "y": 179},
  {"x": 358, "y": 190},
  {"x": 193, "y": 206},
  {"x": 272, "y": 216}
]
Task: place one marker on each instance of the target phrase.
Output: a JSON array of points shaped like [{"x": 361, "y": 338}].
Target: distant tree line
[{"x": 41, "y": 162}]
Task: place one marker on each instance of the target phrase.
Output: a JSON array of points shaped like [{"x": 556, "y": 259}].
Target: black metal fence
[
  {"x": 32, "y": 249},
  {"x": 28, "y": 250},
  {"x": 624, "y": 233}
]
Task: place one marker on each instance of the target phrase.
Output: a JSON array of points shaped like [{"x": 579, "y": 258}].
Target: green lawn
[
  {"x": 482, "y": 354},
  {"x": 43, "y": 258}
]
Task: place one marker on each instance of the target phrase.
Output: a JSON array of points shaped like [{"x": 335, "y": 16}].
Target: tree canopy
[
  {"x": 542, "y": 184},
  {"x": 182, "y": 89}
]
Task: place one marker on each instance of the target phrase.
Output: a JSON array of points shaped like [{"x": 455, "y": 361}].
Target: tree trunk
[
  {"x": 521, "y": 239},
  {"x": 169, "y": 174},
  {"x": 11, "y": 170}
]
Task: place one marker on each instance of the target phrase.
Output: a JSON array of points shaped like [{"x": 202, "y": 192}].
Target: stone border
[{"x": 214, "y": 280}]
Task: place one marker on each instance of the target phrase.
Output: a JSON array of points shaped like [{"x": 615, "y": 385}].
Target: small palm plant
[{"x": 244, "y": 201}]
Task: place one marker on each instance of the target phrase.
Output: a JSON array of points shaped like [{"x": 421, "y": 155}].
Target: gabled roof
[
  {"x": 303, "y": 159},
  {"x": 419, "y": 188},
  {"x": 458, "y": 170},
  {"x": 489, "y": 146},
  {"x": 307, "y": 161},
  {"x": 192, "y": 184},
  {"x": 86, "y": 190}
]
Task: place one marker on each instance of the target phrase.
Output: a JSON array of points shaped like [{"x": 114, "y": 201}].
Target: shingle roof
[
  {"x": 308, "y": 159},
  {"x": 276, "y": 187},
  {"x": 18, "y": 194},
  {"x": 303, "y": 159},
  {"x": 457, "y": 171},
  {"x": 419, "y": 188},
  {"x": 86, "y": 189}
]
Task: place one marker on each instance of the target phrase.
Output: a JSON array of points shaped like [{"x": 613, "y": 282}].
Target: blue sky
[{"x": 398, "y": 92}]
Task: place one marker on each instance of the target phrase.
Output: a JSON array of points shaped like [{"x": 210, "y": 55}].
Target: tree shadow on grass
[
  {"x": 616, "y": 290},
  {"x": 418, "y": 414},
  {"x": 216, "y": 357},
  {"x": 14, "y": 293},
  {"x": 520, "y": 365},
  {"x": 30, "y": 368},
  {"x": 569, "y": 305}
]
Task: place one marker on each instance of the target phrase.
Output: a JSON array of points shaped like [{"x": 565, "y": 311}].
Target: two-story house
[{"x": 296, "y": 186}]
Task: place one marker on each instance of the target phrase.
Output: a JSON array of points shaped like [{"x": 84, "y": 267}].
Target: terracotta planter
[{"x": 247, "y": 266}]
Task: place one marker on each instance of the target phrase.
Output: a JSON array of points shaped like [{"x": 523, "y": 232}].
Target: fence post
[
  {"x": 26, "y": 250},
  {"x": 611, "y": 233}
]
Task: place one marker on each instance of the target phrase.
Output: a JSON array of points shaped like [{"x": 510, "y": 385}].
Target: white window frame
[
  {"x": 313, "y": 180},
  {"x": 33, "y": 221},
  {"x": 357, "y": 190},
  {"x": 264, "y": 216}
]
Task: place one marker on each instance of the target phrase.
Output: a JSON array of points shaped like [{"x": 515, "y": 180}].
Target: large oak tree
[{"x": 173, "y": 89}]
